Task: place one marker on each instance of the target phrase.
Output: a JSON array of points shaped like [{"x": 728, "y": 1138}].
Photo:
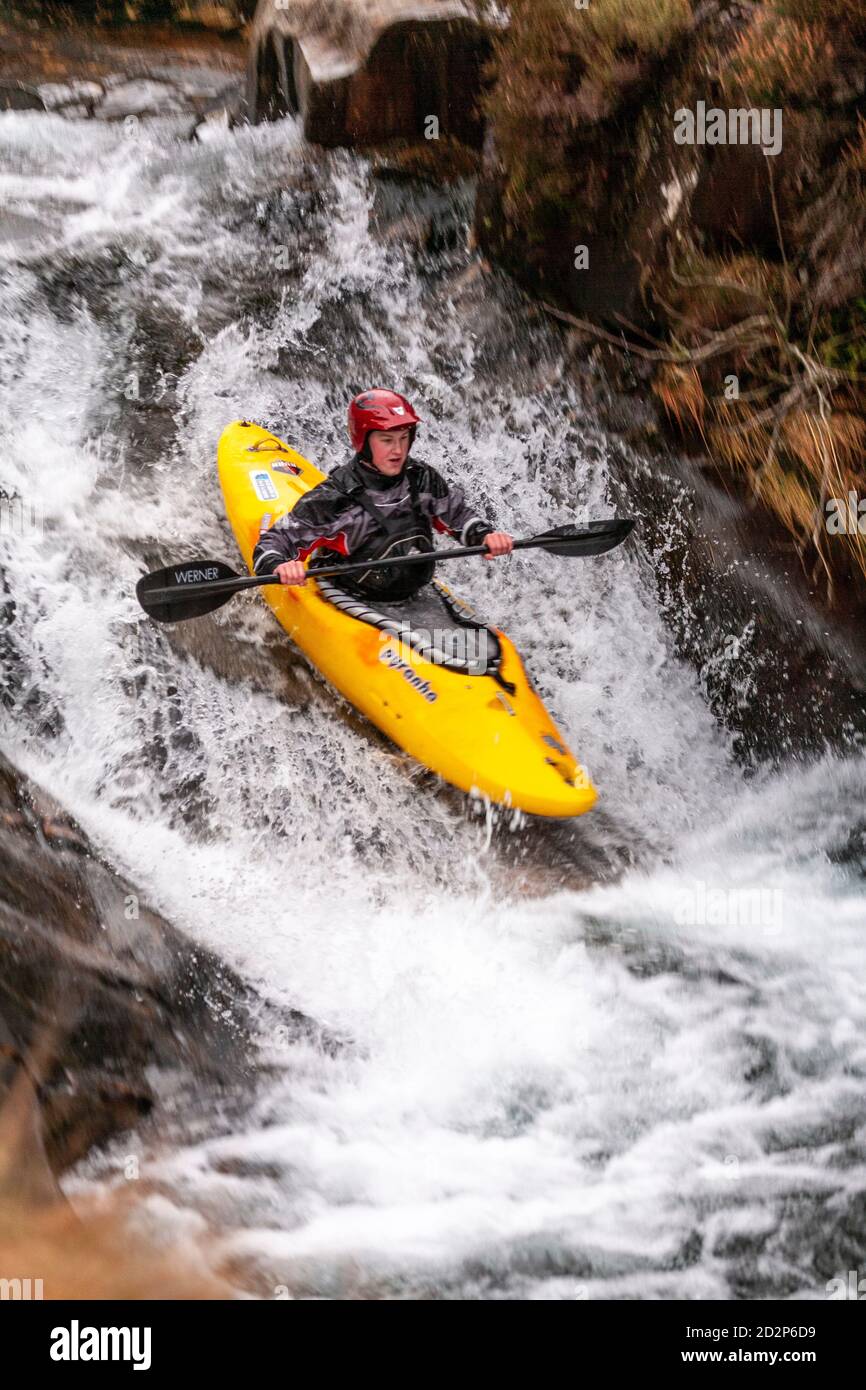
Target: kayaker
[{"x": 380, "y": 504}]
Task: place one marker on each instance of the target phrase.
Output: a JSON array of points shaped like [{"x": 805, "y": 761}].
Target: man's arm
[
  {"x": 314, "y": 523},
  {"x": 449, "y": 511}
]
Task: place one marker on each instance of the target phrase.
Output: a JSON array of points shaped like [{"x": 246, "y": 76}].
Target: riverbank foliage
[
  {"x": 776, "y": 302},
  {"x": 782, "y": 404},
  {"x": 555, "y": 68}
]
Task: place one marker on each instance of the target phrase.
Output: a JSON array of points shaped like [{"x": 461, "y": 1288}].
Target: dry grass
[
  {"x": 847, "y": 12},
  {"x": 791, "y": 501},
  {"x": 778, "y": 59},
  {"x": 796, "y": 425},
  {"x": 681, "y": 392},
  {"x": 855, "y": 152},
  {"x": 795, "y": 462},
  {"x": 650, "y": 26},
  {"x": 714, "y": 292},
  {"x": 841, "y": 437},
  {"x": 796, "y": 430},
  {"x": 736, "y": 436}
]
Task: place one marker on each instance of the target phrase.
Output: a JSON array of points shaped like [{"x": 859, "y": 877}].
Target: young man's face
[{"x": 389, "y": 449}]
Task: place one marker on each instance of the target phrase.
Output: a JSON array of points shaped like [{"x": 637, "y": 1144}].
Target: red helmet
[{"x": 378, "y": 410}]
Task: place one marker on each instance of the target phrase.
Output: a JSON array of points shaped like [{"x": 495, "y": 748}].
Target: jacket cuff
[
  {"x": 474, "y": 533},
  {"x": 266, "y": 561}
]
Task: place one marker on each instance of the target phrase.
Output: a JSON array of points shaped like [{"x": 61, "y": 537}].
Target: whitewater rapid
[{"x": 619, "y": 1058}]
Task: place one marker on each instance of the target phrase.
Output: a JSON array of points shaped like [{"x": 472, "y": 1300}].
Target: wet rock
[
  {"x": 222, "y": 16},
  {"x": 26, "y": 1176},
  {"x": 19, "y": 226},
  {"x": 167, "y": 102},
  {"x": 96, "y": 991},
  {"x": 18, "y": 96},
  {"x": 221, "y": 113},
  {"x": 852, "y": 852},
  {"x": 78, "y": 69},
  {"x": 71, "y": 97},
  {"x": 362, "y": 76},
  {"x": 142, "y": 97}
]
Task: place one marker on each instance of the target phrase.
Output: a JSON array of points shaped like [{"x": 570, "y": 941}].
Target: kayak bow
[{"x": 486, "y": 733}]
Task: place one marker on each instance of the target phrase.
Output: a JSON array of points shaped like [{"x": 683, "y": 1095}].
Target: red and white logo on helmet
[{"x": 378, "y": 410}]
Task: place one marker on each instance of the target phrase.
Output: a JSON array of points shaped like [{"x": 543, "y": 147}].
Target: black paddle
[{"x": 196, "y": 587}]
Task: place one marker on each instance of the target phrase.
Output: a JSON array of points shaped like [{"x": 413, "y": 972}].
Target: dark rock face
[
  {"x": 95, "y": 989},
  {"x": 17, "y": 96},
  {"x": 414, "y": 72},
  {"x": 732, "y": 204},
  {"x": 625, "y": 185},
  {"x": 409, "y": 71}
]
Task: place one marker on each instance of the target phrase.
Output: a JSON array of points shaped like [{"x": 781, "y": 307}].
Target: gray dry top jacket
[{"x": 359, "y": 513}]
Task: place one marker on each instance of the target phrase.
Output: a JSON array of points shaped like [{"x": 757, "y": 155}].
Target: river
[{"x": 619, "y": 1058}]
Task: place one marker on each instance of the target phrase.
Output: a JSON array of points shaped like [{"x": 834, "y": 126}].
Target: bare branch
[{"x": 744, "y": 333}]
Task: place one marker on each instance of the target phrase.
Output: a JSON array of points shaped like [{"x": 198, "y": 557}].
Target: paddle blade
[
  {"x": 595, "y": 538},
  {"x": 170, "y": 595}
]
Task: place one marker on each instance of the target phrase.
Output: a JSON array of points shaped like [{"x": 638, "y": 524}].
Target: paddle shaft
[{"x": 215, "y": 587}]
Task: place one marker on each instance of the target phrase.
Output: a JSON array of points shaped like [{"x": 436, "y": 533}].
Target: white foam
[{"x": 531, "y": 1082}]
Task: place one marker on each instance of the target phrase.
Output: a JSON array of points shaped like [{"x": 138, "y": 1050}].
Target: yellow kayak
[{"x": 456, "y": 698}]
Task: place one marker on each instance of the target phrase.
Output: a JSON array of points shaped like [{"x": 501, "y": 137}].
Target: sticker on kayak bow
[
  {"x": 263, "y": 484},
  {"x": 283, "y": 466},
  {"x": 389, "y": 656}
]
